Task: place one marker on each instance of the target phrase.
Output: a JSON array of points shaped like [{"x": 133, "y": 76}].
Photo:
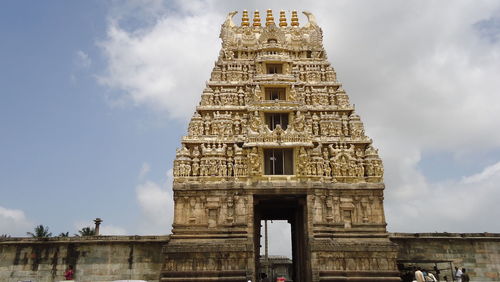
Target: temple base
[
  {"x": 354, "y": 260},
  {"x": 331, "y": 260},
  {"x": 219, "y": 260}
]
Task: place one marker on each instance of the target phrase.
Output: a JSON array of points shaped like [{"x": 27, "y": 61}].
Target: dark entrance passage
[{"x": 293, "y": 209}]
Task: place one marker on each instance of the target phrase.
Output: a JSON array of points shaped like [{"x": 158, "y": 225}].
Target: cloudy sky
[{"x": 95, "y": 96}]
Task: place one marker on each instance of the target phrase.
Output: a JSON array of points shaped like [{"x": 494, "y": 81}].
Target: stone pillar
[{"x": 97, "y": 222}]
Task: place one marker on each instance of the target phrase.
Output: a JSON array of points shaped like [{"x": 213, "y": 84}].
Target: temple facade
[{"x": 274, "y": 137}]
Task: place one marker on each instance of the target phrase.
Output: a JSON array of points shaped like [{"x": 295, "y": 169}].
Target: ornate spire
[
  {"x": 282, "y": 19},
  {"x": 269, "y": 17},
  {"x": 245, "y": 20},
  {"x": 256, "y": 18},
  {"x": 274, "y": 118},
  {"x": 260, "y": 98},
  {"x": 295, "y": 19}
]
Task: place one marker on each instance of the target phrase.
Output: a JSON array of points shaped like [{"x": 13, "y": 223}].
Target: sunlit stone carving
[{"x": 274, "y": 125}]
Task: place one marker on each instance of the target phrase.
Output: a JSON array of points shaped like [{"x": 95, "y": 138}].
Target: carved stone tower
[{"x": 275, "y": 137}]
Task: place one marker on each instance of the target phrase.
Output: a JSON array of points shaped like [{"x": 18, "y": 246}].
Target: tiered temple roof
[{"x": 272, "y": 88}]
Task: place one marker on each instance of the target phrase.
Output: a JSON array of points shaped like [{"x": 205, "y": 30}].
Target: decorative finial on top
[
  {"x": 282, "y": 19},
  {"x": 256, "y": 18},
  {"x": 245, "y": 20},
  {"x": 269, "y": 17},
  {"x": 229, "y": 19},
  {"x": 310, "y": 18},
  {"x": 295, "y": 19}
]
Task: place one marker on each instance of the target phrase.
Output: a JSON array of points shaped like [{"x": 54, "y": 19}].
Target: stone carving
[
  {"x": 272, "y": 90},
  {"x": 330, "y": 124},
  {"x": 255, "y": 123},
  {"x": 254, "y": 162},
  {"x": 299, "y": 122},
  {"x": 276, "y": 137}
]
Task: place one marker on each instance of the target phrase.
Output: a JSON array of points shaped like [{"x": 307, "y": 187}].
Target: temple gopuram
[{"x": 274, "y": 137}]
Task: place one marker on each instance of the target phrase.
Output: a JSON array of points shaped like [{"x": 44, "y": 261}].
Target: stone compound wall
[
  {"x": 478, "y": 253},
  {"x": 108, "y": 258},
  {"x": 100, "y": 258}
]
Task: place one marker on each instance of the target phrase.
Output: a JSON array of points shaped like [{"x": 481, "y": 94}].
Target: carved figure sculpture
[{"x": 254, "y": 162}]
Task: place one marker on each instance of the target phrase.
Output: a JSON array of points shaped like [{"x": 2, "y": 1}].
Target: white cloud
[
  {"x": 13, "y": 222},
  {"x": 156, "y": 204},
  {"x": 82, "y": 59},
  {"x": 467, "y": 205},
  {"x": 423, "y": 80},
  {"x": 165, "y": 65},
  {"x": 485, "y": 175},
  {"x": 423, "y": 76}
]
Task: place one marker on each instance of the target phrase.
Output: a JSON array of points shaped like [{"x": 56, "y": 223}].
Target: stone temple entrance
[
  {"x": 275, "y": 137},
  {"x": 293, "y": 209}
]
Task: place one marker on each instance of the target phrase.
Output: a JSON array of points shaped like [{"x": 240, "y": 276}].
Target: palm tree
[
  {"x": 40, "y": 232},
  {"x": 86, "y": 231},
  {"x": 64, "y": 234}
]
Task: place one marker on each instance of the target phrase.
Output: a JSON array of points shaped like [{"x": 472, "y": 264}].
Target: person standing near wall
[
  {"x": 431, "y": 277},
  {"x": 458, "y": 274},
  {"x": 419, "y": 276},
  {"x": 69, "y": 273},
  {"x": 465, "y": 276}
]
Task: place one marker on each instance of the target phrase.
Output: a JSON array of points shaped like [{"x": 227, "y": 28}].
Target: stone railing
[
  {"x": 274, "y": 77},
  {"x": 278, "y": 137},
  {"x": 272, "y": 55}
]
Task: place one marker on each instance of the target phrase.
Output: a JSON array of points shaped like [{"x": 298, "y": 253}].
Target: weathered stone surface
[
  {"x": 479, "y": 253},
  {"x": 95, "y": 258},
  {"x": 108, "y": 258}
]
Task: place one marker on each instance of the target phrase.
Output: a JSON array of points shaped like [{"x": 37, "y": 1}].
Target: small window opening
[
  {"x": 275, "y": 94},
  {"x": 273, "y": 119},
  {"x": 278, "y": 161},
  {"x": 274, "y": 68},
  {"x": 309, "y": 54}
]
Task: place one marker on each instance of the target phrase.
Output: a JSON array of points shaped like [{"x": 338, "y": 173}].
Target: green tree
[
  {"x": 86, "y": 231},
  {"x": 64, "y": 234},
  {"x": 40, "y": 232}
]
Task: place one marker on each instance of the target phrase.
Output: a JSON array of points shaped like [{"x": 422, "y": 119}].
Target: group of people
[{"x": 422, "y": 275}]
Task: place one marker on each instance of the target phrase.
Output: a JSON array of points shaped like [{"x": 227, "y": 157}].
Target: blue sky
[
  {"x": 68, "y": 154},
  {"x": 95, "y": 96}
]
